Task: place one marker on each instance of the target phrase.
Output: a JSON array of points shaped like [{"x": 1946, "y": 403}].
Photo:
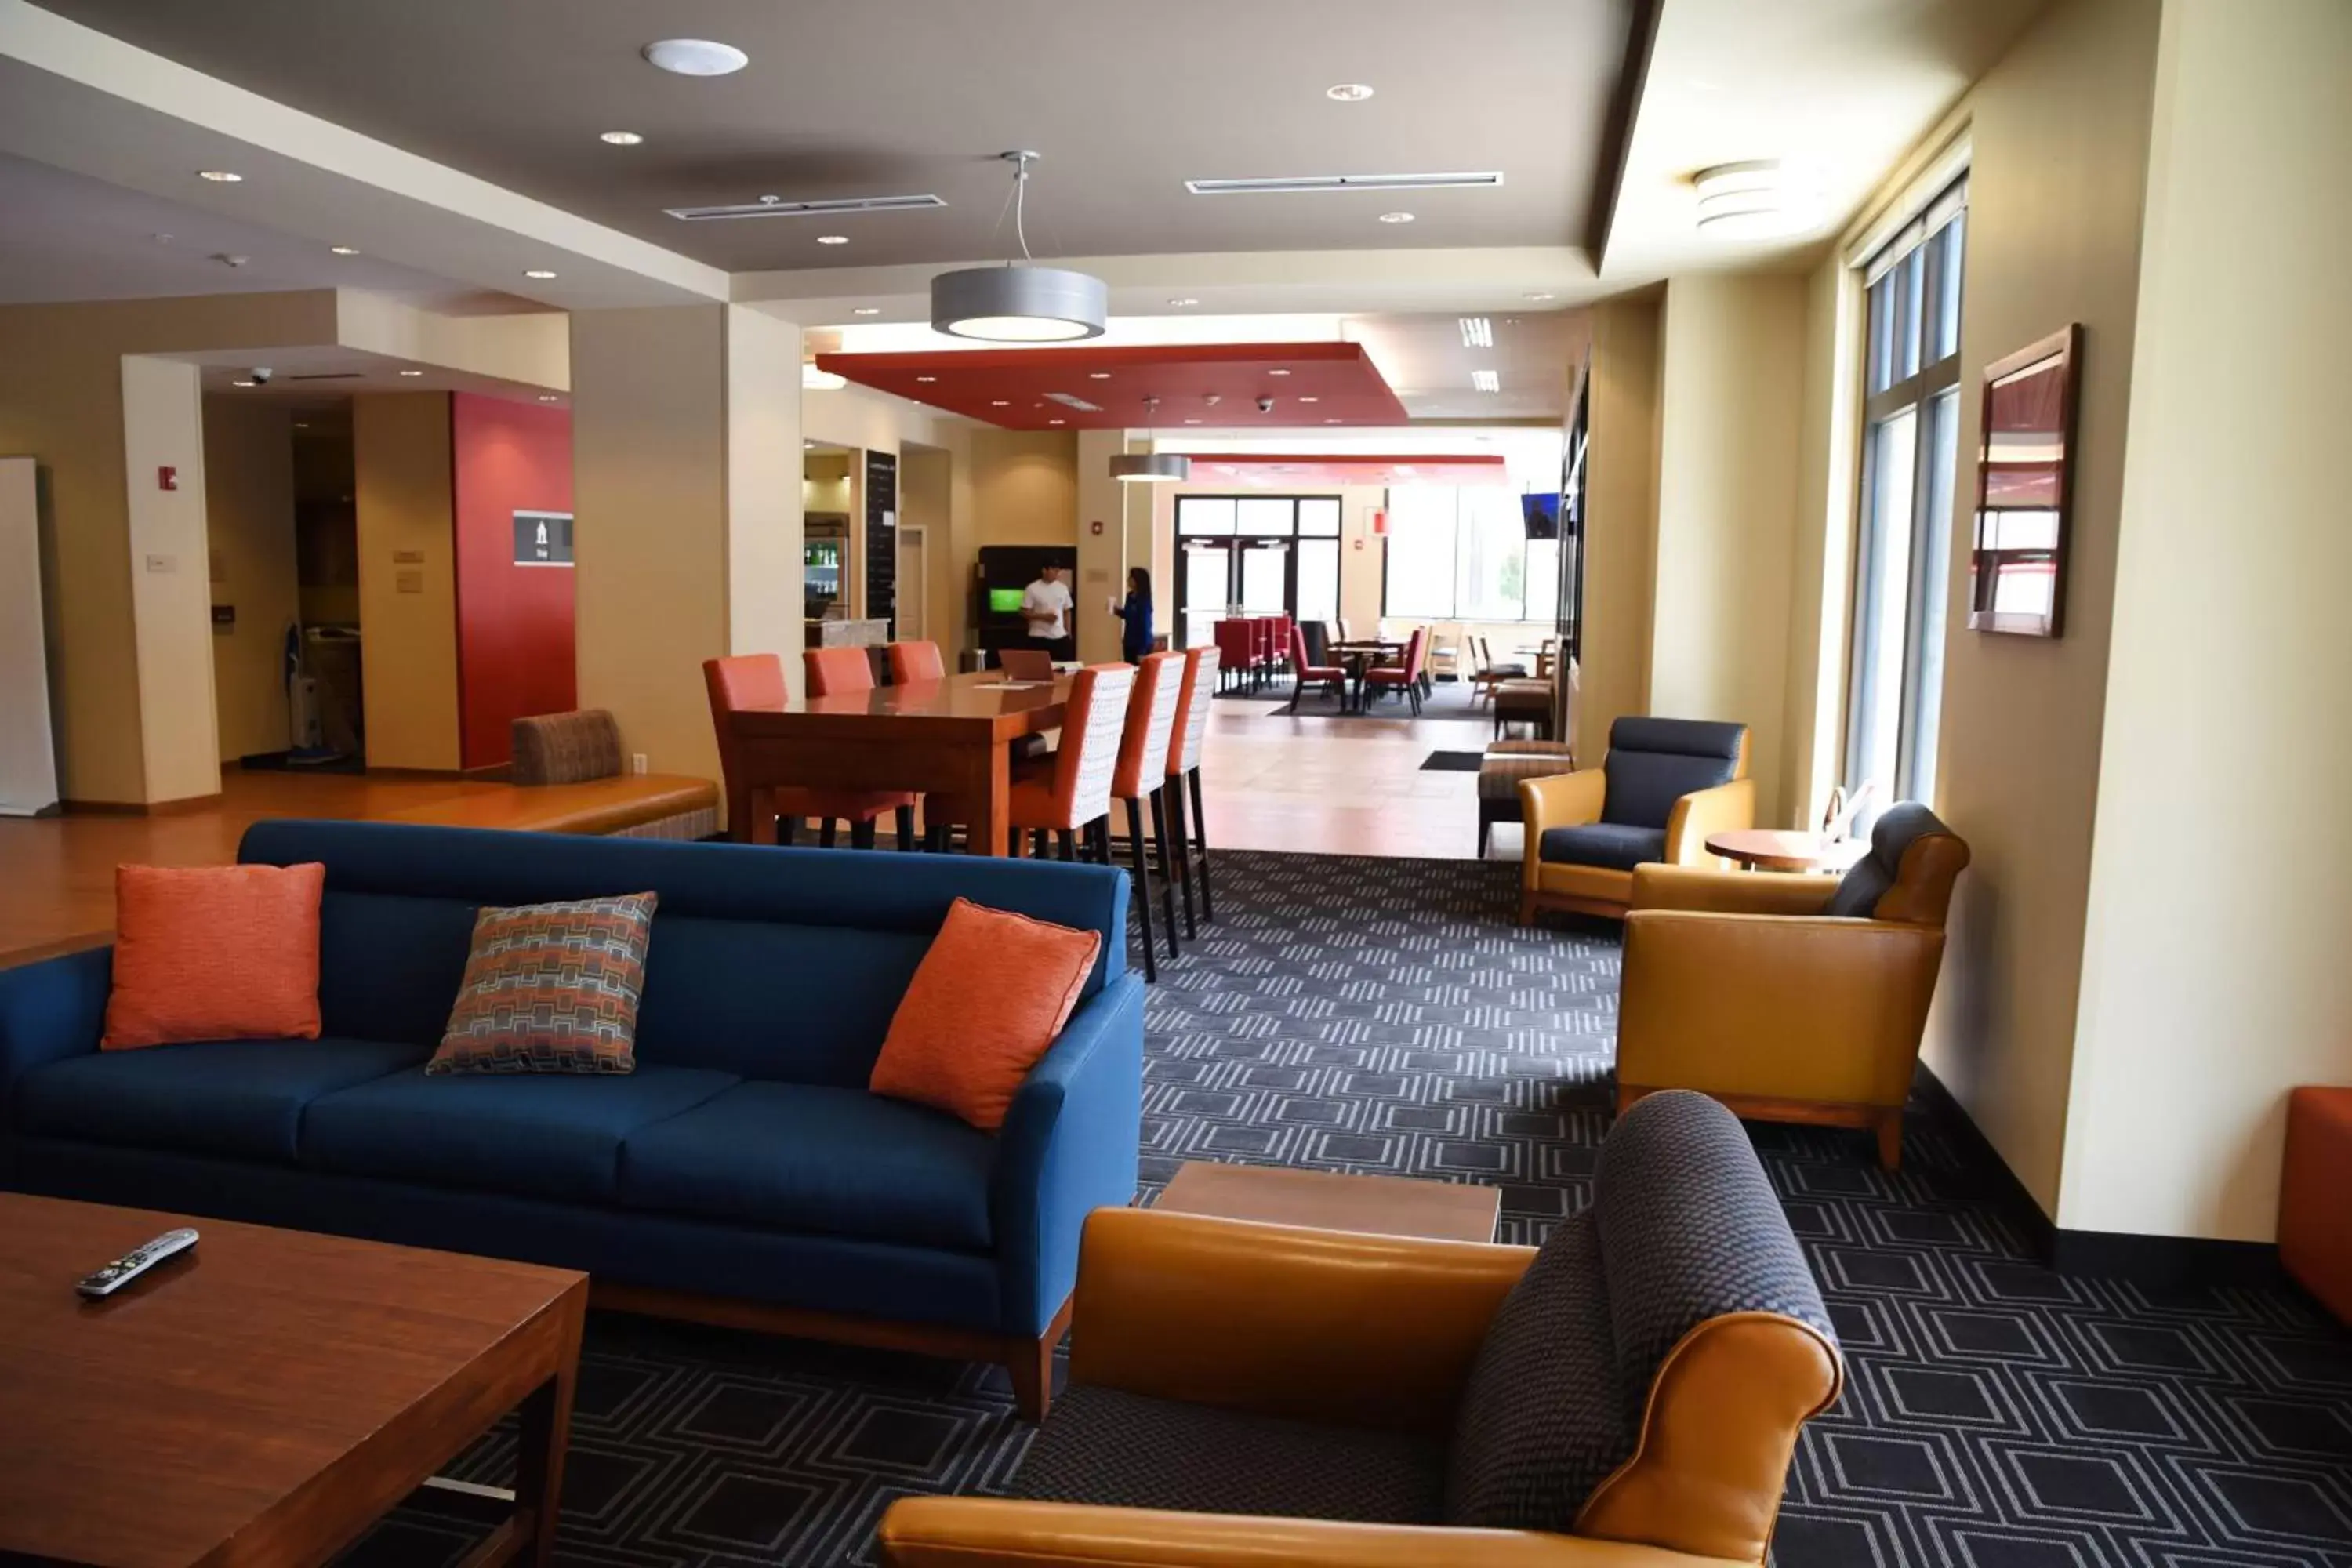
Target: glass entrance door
[{"x": 1256, "y": 555}]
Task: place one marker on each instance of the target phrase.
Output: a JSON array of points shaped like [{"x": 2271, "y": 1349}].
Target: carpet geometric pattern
[{"x": 1363, "y": 1015}]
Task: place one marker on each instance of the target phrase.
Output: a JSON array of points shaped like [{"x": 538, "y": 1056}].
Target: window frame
[
  {"x": 1235, "y": 541},
  {"x": 1454, "y": 614},
  {"x": 1913, "y": 332}
]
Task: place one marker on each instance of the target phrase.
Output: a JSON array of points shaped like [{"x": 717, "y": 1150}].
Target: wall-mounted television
[
  {"x": 1542, "y": 515},
  {"x": 1005, "y": 601}
]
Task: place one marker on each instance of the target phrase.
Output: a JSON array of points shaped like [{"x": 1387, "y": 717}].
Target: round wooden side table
[{"x": 1784, "y": 850}]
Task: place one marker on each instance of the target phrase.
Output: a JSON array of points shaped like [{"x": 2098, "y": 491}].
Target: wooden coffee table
[
  {"x": 1326, "y": 1200},
  {"x": 266, "y": 1397}
]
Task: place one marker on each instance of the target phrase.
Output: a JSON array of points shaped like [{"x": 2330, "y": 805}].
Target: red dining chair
[
  {"x": 1232, "y": 639},
  {"x": 913, "y": 662},
  {"x": 1261, "y": 648},
  {"x": 1069, "y": 793},
  {"x": 757, "y": 681},
  {"x": 1404, "y": 676},
  {"x": 1142, "y": 774},
  {"x": 1332, "y": 677},
  {"x": 1184, "y": 766},
  {"x": 1282, "y": 650},
  {"x": 838, "y": 671}
]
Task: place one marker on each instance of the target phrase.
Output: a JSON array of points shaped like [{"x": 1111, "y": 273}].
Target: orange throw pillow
[
  {"x": 985, "y": 1005},
  {"x": 214, "y": 953}
]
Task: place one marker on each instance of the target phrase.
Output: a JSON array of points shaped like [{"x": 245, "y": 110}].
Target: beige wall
[
  {"x": 61, "y": 403},
  {"x": 1100, "y": 502},
  {"x": 2215, "y": 964},
  {"x": 927, "y": 501},
  {"x": 408, "y": 578},
  {"x": 1024, "y": 487},
  {"x": 1730, "y": 381},
  {"x": 825, "y": 481},
  {"x": 2060, "y": 136},
  {"x": 1621, "y": 509},
  {"x": 764, "y": 522},
  {"x": 249, "y": 518},
  {"x": 1821, "y": 560},
  {"x": 164, "y": 424}
]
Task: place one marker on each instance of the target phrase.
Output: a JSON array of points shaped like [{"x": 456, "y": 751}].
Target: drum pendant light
[
  {"x": 1019, "y": 303},
  {"x": 1151, "y": 468}
]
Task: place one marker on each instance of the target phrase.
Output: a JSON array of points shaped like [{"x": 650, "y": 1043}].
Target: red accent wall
[{"x": 514, "y": 623}]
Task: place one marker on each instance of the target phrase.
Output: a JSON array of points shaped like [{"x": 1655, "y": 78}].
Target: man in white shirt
[{"x": 1045, "y": 606}]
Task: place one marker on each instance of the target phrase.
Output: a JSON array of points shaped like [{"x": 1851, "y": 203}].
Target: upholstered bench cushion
[
  {"x": 553, "y": 1135},
  {"x": 243, "y": 1098},
  {"x": 1609, "y": 844},
  {"x": 791, "y": 1157},
  {"x": 1500, "y": 773},
  {"x": 1116, "y": 1449}
]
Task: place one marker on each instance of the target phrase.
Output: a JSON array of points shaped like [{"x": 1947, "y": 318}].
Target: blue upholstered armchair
[{"x": 1665, "y": 785}]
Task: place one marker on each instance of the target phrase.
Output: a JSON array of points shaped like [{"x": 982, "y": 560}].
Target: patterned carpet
[{"x": 1386, "y": 1015}]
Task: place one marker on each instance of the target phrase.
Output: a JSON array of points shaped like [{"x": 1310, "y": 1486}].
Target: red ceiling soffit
[{"x": 1309, "y": 386}]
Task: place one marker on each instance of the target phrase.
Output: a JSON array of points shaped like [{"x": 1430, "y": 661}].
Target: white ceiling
[{"x": 1125, "y": 99}]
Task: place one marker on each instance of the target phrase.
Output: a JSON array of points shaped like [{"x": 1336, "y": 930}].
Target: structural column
[{"x": 687, "y": 503}]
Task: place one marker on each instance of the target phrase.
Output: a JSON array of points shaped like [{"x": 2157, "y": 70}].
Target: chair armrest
[
  {"x": 970, "y": 1532},
  {"x": 1367, "y": 1330},
  {"x": 52, "y": 1010},
  {"x": 1789, "y": 1008},
  {"x": 1702, "y": 812},
  {"x": 1660, "y": 887},
  {"x": 1562, "y": 800},
  {"x": 1067, "y": 1147}
]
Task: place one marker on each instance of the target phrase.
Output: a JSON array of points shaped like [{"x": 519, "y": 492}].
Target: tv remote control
[{"x": 135, "y": 1262}]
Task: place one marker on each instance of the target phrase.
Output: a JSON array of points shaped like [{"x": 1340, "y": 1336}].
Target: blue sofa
[{"x": 740, "y": 1175}]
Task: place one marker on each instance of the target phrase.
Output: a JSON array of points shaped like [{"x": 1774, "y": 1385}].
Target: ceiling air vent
[
  {"x": 331, "y": 375},
  {"x": 1071, "y": 400},
  {"x": 1295, "y": 183},
  {"x": 776, "y": 207}
]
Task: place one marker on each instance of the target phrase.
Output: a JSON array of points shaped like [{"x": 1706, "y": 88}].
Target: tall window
[
  {"x": 1254, "y": 555},
  {"x": 1904, "y": 547},
  {"x": 1464, "y": 554}
]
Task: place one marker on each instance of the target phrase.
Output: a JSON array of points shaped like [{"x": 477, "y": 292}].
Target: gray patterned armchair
[{"x": 1626, "y": 1396}]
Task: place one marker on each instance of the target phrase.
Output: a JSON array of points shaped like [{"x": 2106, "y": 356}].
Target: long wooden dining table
[{"x": 952, "y": 737}]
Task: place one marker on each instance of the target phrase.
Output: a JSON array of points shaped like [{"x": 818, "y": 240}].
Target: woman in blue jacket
[{"x": 1136, "y": 640}]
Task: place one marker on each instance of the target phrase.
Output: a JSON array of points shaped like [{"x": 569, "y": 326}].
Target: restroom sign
[{"x": 542, "y": 538}]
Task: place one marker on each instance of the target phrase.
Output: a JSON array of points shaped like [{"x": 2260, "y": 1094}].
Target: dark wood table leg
[
  {"x": 991, "y": 807},
  {"x": 762, "y": 829},
  {"x": 546, "y": 1417}
]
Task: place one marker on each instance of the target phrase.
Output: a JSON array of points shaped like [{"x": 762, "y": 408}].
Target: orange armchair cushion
[
  {"x": 214, "y": 953},
  {"x": 985, "y": 1004}
]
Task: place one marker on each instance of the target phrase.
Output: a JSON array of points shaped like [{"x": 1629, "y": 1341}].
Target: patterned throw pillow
[{"x": 550, "y": 988}]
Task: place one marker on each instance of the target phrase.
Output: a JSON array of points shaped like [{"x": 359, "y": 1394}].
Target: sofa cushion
[
  {"x": 550, "y": 988},
  {"x": 1609, "y": 844},
  {"x": 1653, "y": 762},
  {"x": 1541, "y": 1421},
  {"x": 1105, "y": 1447},
  {"x": 214, "y": 953},
  {"x": 550, "y": 1135},
  {"x": 243, "y": 1098},
  {"x": 817, "y": 1158}
]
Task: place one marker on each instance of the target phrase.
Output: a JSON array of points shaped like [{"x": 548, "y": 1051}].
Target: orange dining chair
[
  {"x": 912, "y": 662},
  {"x": 1143, "y": 776},
  {"x": 838, "y": 671},
  {"x": 757, "y": 681},
  {"x": 1192, "y": 705},
  {"x": 1069, "y": 793}
]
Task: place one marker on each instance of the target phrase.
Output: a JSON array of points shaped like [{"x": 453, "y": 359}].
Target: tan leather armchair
[
  {"x": 1791, "y": 998},
  {"x": 1665, "y": 785},
  {"x": 1384, "y": 1341}
]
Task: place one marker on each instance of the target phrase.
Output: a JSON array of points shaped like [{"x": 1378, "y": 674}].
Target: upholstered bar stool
[
  {"x": 1184, "y": 765},
  {"x": 757, "y": 681},
  {"x": 1142, "y": 775}
]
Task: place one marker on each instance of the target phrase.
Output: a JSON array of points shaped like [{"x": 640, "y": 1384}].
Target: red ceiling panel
[
  {"x": 1312, "y": 385},
  {"x": 1279, "y": 470}
]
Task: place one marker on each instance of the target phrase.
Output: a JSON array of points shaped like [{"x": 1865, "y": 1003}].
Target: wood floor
[{"x": 1317, "y": 785}]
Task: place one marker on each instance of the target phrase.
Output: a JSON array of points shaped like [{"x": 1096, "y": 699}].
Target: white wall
[
  {"x": 249, "y": 522},
  {"x": 2218, "y": 960},
  {"x": 1731, "y": 385},
  {"x": 164, "y": 424}
]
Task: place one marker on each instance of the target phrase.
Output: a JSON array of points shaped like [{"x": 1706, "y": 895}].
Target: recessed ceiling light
[
  {"x": 542, "y": 273},
  {"x": 243, "y": 381},
  {"x": 1311, "y": 400},
  {"x": 219, "y": 176},
  {"x": 1541, "y": 297},
  {"x": 1485, "y": 381},
  {"x": 1053, "y": 422},
  {"x": 1347, "y": 92},
  {"x": 867, "y": 311},
  {"x": 548, "y": 397},
  {"x": 1098, "y": 375},
  {"x": 1277, "y": 372},
  {"x": 1191, "y": 422},
  {"x": 1396, "y": 217},
  {"x": 620, "y": 138},
  {"x": 1331, "y": 422},
  {"x": 1478, "y": 333},
  {"x": 833, "y": 240},
  {"x": 999, "y": 402},
  {"x": 412, "y": 372},
  {"x": 695, "y": 56},
  {"x": 927, "y": 378},
  {"x": 1180, "y": 304},
  {"x": 343, "y": 249}
]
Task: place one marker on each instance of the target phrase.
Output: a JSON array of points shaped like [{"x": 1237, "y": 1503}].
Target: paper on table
[{"x": 1009, "y": 685}]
